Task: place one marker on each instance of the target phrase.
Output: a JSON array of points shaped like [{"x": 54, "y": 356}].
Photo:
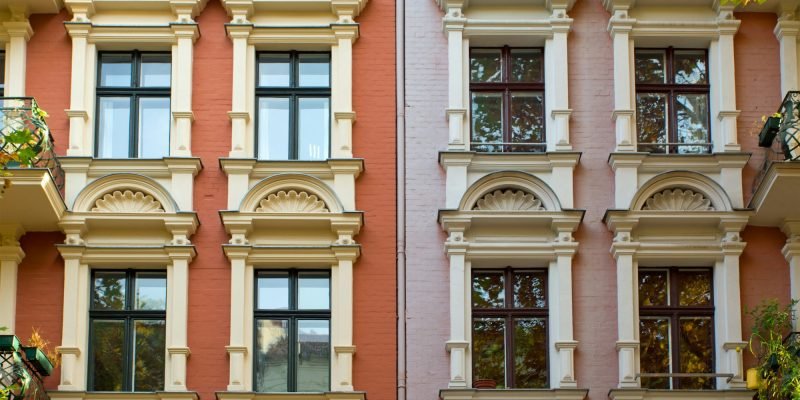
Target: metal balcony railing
[
  {"x": 780, "y": 136},
  {"x": 25, "y": 140},
  {"x": 22, "y": 370}
]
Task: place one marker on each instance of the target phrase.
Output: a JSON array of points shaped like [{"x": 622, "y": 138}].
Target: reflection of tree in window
[
  {"x": 676, "y": 330},
  {"x": 509, "y": 327}
]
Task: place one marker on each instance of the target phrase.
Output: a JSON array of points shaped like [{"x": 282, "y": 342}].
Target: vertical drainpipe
[{"x": 400, "y": 107}]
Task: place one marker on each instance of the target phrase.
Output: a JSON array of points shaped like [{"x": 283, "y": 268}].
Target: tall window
[
  {"x": 133, "y": 105},
  {"x": 672, "y": 114},
  {"x": 507, "y": 91},
  {"x": 509, "y": 328},
  {"x": 292, "y": 331},
  {"x": 127, "y": 331},
  {"x": 676, "y": 327},
  {"x": 293, "y": 98}
]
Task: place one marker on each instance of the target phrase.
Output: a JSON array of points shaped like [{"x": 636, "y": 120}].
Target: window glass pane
[
  {"x": 313, "y": 356},
  {"x": 274, "y": 70},
  {"x": 487, "y": 121},
  {"x": 273, "y": 128},
  {"x": 116, "y": 70},
  {"x": 526, "y": 65},
  {"x": 314, "y": 291},
  {"x": 2, "y": 73},
  {"x": 654, "y": 338},
  {"x": 527, "y": 120},
  {"x": 530, "y": 353},
  {"x": 272, "y": 355},
  {"x": 148, "y": 355},
  {"x": 486, "y": 65},
  {"x": 156, "y": 70},
  {"x": 530, "y": 290},
  {"x": 273, "y": 291},
  {"x": 692, "y": 121},
  {"x": 690, "y": 67},
  {"x": 114, "y": 127},
  {"x": 694, "y": 288},
  {"x": 109, "y": 291},
  {"x": 650, "y": 65},
  {"x": 314, "y": 70},
  {"x": 653, "y": 288},
  {"x": 154, "y": 121},
  {"x": 313, "y": 128},
  {"x": 488, "y": 350},
  {"x": 107, "y": 354},
  {"x": 488, "y": 290},
  {"x": 151, "y": 291},
  {"x": 696, "y": 347},
  {"x": 651, "y": 121}
]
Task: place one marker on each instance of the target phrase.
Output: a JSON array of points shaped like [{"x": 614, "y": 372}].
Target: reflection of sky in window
[
  {"x": 313, "y": 330},
  {"x": 156, "y": 74},
  {"x": 115, "y": 74},
  {"x": 314, "y": 74},
  {"x": 273, "y": 293},
  {"x": 151, "y": 292},
  {"x": 273, "y": 74},
  {"x": 273, "y": 128},
  {"x": 314, "y": 119},
  {"x": 314, "y": 293},
  {"x": 154, "y": 127},
  {"x": 114, "y": 115}
]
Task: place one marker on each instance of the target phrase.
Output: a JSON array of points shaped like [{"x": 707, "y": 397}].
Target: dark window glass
[
  {"x": 133, "y": 105},
  {"x": 672, "y": 106},
  {"x": 127, "y": 331},
  {"x": 509, "y": 327},
  {"x": 507, "y": 92},
  {"x": 293, "y": 99},
  {"x": 676, "y": 327},
  {"x": 292, "y": 331},
  {"x": 2, "y": 73}
]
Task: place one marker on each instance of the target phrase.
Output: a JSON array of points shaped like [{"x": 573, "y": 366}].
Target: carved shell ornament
[
  {"x": 678, "y": 200},
  {"x": 508, "y": 200},
  {"x": 291, "y": 202},
  {"x": 127, "y": 201}
]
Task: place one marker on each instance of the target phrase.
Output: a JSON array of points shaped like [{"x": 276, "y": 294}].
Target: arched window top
[
  {"x": 681, "y": 191},
  {"x": 510, "y": 191},
  {"x": 291, "y": 193},
  {"x": 124, "y": 193}
]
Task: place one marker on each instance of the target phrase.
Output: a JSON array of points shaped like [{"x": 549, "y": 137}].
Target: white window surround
[
  {"x": 125, "y": 221},
  {"x": 70, "y": 395},
  {"x": 331, "y": 28},
  {"x": 517, "y": 394},
  {"x": 177, "y": 34},
  {"x": 292, "y": 396},
  {"x": 540, "y": 237},
  {"x": 15, "y": 31},
  {"x": 787, "y": 30},
  {"x": 653, "y": 232},
  {"x": 639, "y": 394},
  {"x": 662, "y": 24},
  {"x": 291, "y": 221},
  {"x": 544, "y": 24}
]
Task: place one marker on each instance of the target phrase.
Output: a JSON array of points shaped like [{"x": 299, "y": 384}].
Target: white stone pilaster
[
  {"x": 237, "y": 349},
  {"x": 725, "y": 75},
  {"x": 11, "y": 255},
  {"x": 627, "y": 300},
  {"x": 561, "y": 303},
  {"x": 181, "y": 100},
  {"x": 76, "y": 293},
  {"x": 177, "y": 318},
  {"x": 78, "y": 112},
  {"x": 342, "y": 326},
  {"x": 559, "y": 110},
  {"x": 19, "y": 32},
  {"x": 787, "y": 32},
  {"x": 240, "y": 112},
  {"x": 457, "y": 75},
  {"x": 791, "y": 251},
  {"x": 342, "y": 95},
  {"x": 457, "y": 345},
  {"x": 620, "y": 27},
  {"x": 728, "y": 318}
]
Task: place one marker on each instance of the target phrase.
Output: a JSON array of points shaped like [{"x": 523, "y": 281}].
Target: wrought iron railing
[
  {"x": 25, "y": 140},
  {"x": 508, "y": 147},
  {"x": 780, "y": 136},
  {"x": 22, "y": 370}
]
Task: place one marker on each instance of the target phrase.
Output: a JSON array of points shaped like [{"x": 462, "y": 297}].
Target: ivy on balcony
[{"x": 25, "y": 140}]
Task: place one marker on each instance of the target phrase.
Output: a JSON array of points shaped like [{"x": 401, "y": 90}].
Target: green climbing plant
[
  {"x": 24, "y": 137},
  {"x": 778, "y": 355}
]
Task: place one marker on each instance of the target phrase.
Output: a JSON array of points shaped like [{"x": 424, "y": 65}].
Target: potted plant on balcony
[
  {"x": 777, "y": 371},
  {"x": 21, "y": 142},
  {"x": 770, "y": 130}
]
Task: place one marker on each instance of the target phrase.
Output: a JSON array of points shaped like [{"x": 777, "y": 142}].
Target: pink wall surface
[{"x": 764, "y": 271}]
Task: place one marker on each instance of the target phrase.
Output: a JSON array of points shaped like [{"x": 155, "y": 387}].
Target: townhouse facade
[{"x": 408, "y": 199}]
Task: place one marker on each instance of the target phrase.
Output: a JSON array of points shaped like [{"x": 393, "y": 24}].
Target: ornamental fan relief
[
  {"x": 678, "y": 200},
  {"x": 508, "y": 200},
  {"x": 291, "y": 202},
  {"x": 127, "y": 201}
]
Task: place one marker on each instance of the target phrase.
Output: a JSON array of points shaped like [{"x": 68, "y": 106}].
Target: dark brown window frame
[
  {"x": 506, "y": 87},
  {"x": 674, "y": 312},
  {"x": 509, "y": 313},
  {"x": 672, "y": 89}
]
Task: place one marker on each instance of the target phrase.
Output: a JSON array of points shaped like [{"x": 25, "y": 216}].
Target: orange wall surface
[{"x": 40, "y": 283}]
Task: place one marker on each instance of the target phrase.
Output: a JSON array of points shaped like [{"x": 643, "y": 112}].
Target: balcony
[
  {"x": 31, "y": 178},
  {"x": 22, "y": 369}
]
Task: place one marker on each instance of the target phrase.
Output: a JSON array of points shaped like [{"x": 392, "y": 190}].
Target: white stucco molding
[
  {"x": 116, "y": 251},
  {"x": 632, "y": 171},
  {"x": 553, "y": 171},
  {"x": 292, "y": 396},
  {"x": 668, "y": 238},
  {"x": 173, "y": 176},
  {"x": 513, "y": 394},
  {"x": 639, "y": 394},
  {"x": 338, "y": 175},
  {"x": 80, "y": 395},
  {"x": 704, "y": 24},
  {"x": 11, "y": 254},
  {"x": 522, "y": 237},
  {"x": 545, "y": 24},
  {"x": 163, "y": 25}
]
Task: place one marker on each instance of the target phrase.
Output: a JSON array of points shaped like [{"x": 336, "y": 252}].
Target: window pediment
[
  {"x": 127, "y": 202},
  {"x": 292, "y": 201},
  {"x": 513, "y": 394},
  {"x": 678, "y": 200}
]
